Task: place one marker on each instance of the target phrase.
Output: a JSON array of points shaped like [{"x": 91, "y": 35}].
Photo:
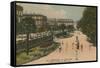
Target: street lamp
[{"x": 51, "y": 30}]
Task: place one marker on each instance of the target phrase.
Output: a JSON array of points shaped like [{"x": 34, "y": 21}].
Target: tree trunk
[{"x": 27, "y": 41}]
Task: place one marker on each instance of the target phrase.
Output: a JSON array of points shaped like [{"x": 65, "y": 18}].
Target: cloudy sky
[{"x": 54, "y": 11}]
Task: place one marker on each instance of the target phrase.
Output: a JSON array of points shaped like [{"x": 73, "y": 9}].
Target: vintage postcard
[{"x": 55, "y": 33}]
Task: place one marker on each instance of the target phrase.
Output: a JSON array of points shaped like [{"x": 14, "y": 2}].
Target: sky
[{"x": 54, "y": 11}]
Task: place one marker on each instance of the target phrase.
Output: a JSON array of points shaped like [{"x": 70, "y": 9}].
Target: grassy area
[{"x": 35, "y": 53}]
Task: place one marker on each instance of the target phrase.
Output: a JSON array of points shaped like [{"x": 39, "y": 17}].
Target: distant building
[
  {"x": 40, "y": 20},
  {"x": 19, "y": 13},
  {"x": 65, "y": 21},
  {"x": 58, "y": 22},
  {"x": 52, "y": 21}
]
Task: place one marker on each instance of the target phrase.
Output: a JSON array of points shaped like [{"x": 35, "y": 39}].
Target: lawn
[{"x": 35, "y": 53}]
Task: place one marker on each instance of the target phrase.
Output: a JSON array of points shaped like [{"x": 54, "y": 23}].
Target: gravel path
[{"x": 68, "y": 52}]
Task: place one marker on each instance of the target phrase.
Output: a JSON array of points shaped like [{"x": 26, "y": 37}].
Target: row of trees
[
  {"x": 28, "y": 26},
  {"x": 88, "y": 23}
]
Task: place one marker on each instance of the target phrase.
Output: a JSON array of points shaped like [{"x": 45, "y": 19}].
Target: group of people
[
  {"x": 77, "y": 45},
  {"x": 60, "y": 47}
]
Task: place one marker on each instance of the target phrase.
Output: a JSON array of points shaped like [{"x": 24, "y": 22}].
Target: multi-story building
[
  {"x": 65, "y": 21},
  {"x": 19, "y": 13},
  {"x": 58, "y": 22},
  {"x": 39, "y": 20}
]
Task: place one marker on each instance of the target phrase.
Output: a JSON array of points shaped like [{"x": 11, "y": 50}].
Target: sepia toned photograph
[{"x": 54, "y": 33}]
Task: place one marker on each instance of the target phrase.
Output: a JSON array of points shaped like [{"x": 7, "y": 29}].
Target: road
[{"x": 68, "y": 51}]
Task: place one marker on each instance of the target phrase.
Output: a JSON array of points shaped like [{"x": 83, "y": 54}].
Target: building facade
[
  {"x": 39, "y": 20},
  {"x": 19, "y": 13},
  {"x": 54, "y": 21}
]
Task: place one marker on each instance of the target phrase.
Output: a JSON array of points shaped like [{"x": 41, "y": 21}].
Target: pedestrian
[
  {"x": 62, "y": 43},
  {"x": 81, "y": 47},
  {"x": 76, "y": 37},
  {"x": 77, "y": 45},
  {"x": 77, "y": 42},
  {"x": 60, "y": 48},
  {"x": 73, "y": 45}
]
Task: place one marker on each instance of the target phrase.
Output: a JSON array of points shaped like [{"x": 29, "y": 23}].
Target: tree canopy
[
  {"x": 27, "y": 25},
  {"x": 87, "y": 24}
]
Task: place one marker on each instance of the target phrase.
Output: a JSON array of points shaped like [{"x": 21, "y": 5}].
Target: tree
[
  {"x": 70, "y": 28},
  {"x": 19, "y": 28},
  {"x": 62, "y": 27},
  {"x": 87, "y": 24},
  {"x": 29, "y": 27}
]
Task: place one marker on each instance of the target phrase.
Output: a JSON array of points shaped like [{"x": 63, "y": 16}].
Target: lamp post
[{"x": 51, "y": 30}]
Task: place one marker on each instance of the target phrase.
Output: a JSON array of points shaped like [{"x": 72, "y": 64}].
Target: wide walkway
[{"x": 68, "y": 52}]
